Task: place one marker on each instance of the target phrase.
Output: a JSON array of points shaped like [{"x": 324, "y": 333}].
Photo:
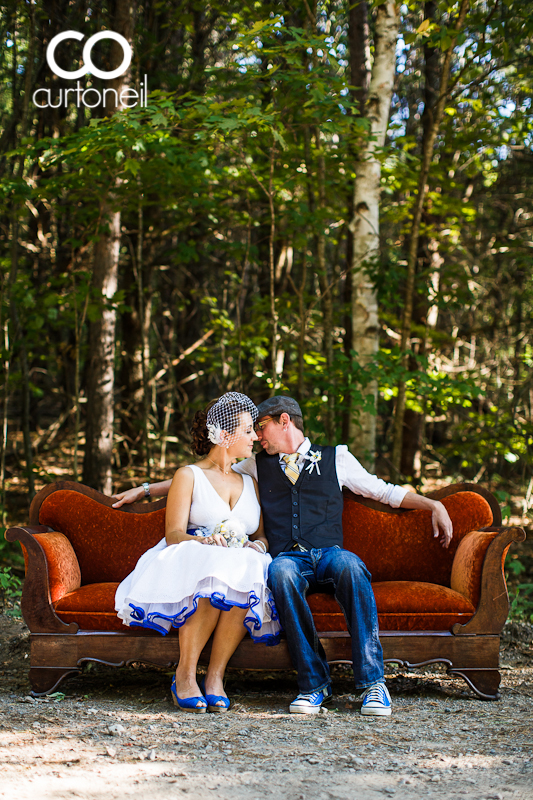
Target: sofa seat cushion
[
  {"x": 93, "y": 608},
  {"x": 402, "y": 606}
]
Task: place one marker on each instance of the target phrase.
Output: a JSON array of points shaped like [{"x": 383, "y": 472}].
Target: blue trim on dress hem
[{"x": 140, "y": 619}]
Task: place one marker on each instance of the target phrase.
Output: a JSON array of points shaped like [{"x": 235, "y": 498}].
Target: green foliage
[
  {"x": 522, "y": 602},
  {"x": 258, "y": 132},
  {"x": 57, "y": 697},
  {"x": 503, "y": 497},
  {"x": 516, "y": 567},
  {"x": 10, "y": 592},
  {"x": 521, "y": 594}
]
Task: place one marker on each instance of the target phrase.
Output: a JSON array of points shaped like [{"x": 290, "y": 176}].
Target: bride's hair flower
[{"x": 214, "y": 433}]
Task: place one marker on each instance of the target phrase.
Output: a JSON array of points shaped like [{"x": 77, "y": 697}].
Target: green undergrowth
[
  {"x": 519, "y": 574},
  {"x": 10, "y": 592}
]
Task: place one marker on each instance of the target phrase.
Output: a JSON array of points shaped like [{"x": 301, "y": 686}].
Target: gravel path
[{"x": 115, "y": 734}]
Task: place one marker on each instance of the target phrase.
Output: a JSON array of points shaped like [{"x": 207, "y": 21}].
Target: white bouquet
[{"x": 233, "y": 532}]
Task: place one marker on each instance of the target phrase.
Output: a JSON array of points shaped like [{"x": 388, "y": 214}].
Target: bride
[{"x": 208, "y": 575}]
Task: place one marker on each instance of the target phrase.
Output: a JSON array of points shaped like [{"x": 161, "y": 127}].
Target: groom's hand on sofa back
[
  {"x": 134, "y": 495},
  {"x": 442, "y": 524},
  {"x": 138, "y": 493}
]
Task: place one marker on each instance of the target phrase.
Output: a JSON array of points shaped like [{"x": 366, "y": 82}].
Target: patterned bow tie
[{"x": 291, "y": 470}]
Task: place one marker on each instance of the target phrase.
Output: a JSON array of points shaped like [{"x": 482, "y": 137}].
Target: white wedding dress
[{"x": 164, "y": 588}]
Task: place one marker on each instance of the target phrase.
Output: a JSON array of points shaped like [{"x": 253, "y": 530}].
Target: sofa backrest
[
  {"x": 395, "y": 545},
  {"x": 398, "y": 544},
  {"x": 108, "y": 542}
]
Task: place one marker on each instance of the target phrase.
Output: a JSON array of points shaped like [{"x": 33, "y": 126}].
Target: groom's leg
[
  {"x": 350, "y": 579},
  {"x": 290, "y": 577}
]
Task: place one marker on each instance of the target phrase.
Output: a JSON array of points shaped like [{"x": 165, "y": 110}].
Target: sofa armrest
[
  {"x": 45, "y": 581},
  {"x": 477, "y": 573},
  {"x": 468, "y": 564}
]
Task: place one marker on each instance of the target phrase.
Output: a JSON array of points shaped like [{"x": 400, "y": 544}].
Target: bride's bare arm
[
  {"x": 259, "y": 535},
  {"x": 179, "y": 507}
]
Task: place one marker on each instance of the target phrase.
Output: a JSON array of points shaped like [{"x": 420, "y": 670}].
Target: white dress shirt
[{"x": 350, "y": 473}]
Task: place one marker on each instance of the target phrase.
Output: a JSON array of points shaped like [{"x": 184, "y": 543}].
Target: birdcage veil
[{"x": 224, "y": 417}]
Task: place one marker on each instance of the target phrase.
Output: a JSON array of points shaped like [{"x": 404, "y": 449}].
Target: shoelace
[
  {"x": 375, "y": 693},
  {"x": 310, "y": 697}
]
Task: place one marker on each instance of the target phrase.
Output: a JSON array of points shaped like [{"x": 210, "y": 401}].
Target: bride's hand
[
  {"x": 258, "y": 545},
  {"x": 216, "y": 539}
]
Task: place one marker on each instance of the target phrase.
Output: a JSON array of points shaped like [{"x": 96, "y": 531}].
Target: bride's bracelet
[{"x": 263, "y": 545}]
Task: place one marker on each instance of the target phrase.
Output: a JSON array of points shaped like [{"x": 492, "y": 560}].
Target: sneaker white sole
[
  {"x": 304, "y": 709},
  {"x": 295, "y": 708},
  {"x": 376, "y": 712}
]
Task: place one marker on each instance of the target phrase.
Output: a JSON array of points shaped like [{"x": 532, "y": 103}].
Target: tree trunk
[
  {"x": 5, "y": 399},
  {"x": 428, "y": 263},
  {"x": 430, "y": 133},
  {"x": 18, "y": 339},
  {"x": 359, "y": 44},
  {"x": 364, "y": 224},
  {"x": 129, "y": 391},
  {"x": 326, "y": 291},
  {"x": 101, "y": 367},
  {"x": 359, "y": 41},
  {"x": 276, "y": 371},
  {"x": 323, "y": 273}
]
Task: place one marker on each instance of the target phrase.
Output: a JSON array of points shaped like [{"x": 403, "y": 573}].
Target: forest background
[{"x": 327, "y": 199}]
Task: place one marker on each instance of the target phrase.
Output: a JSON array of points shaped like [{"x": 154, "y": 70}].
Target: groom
[{"x": 300, "y": 487}]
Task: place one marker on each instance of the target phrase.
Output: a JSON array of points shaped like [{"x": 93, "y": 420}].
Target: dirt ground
[{"x": 114, "y": 733}]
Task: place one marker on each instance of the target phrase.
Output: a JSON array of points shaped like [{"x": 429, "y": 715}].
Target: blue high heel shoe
[
  {"x": 195, "y": 705},
  {"x": 213, "y": 699}
]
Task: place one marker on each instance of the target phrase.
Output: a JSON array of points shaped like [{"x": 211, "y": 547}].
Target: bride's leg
[
  {"x": 228, "y": 633},
  {"x": 193, "y": 636}
]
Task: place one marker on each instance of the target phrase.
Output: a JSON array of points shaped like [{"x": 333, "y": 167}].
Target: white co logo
[{"x": 88, "y": 67}]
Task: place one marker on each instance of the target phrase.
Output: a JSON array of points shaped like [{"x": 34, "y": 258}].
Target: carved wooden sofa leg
[
  {"x": 484, "y": 682},
  {"x": 45, "y": 680}
]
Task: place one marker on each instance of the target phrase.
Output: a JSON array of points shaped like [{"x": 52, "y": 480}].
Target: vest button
[
  {"x": 295, "y": 491},
  {"x": 295, "y": 504},
  {"x": 295, "y": 527},
  {"x": 295, "y": 515}
]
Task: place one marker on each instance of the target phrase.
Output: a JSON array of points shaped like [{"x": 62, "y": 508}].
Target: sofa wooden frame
[{"x": 58, "y": 649}]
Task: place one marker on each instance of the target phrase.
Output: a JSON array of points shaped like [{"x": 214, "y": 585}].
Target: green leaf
[{"x": 131, "y": 165}]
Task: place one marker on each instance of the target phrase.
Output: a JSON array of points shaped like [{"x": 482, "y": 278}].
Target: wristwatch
[{"x": 146, "y": 487}]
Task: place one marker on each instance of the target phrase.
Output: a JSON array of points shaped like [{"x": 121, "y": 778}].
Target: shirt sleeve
[
  {"x": 355, "y": 477},
  {"x": 246, "y": 467}
]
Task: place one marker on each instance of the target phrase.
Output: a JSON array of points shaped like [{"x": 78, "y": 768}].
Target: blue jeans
[{"x": 291, "y": 577}]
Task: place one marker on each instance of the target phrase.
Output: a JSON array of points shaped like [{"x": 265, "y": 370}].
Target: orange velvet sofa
[{"x": 434, "y": 604}]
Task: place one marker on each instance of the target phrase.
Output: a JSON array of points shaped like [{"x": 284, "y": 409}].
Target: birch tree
[{"x": 364, "y": 224}]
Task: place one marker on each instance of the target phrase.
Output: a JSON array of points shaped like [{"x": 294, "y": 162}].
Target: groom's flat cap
[{"x": 277, "y": 405}]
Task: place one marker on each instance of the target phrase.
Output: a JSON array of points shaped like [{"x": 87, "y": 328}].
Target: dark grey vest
[{"x": 308, "y": 512}]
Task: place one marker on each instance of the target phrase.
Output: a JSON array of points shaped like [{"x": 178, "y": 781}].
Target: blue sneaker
[
  {"x": 309, "y": 703},
  {"x": 376, "y": 701}
]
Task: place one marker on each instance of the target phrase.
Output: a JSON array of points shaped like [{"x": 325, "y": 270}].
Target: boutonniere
[{"x": 313, "y": 456}]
